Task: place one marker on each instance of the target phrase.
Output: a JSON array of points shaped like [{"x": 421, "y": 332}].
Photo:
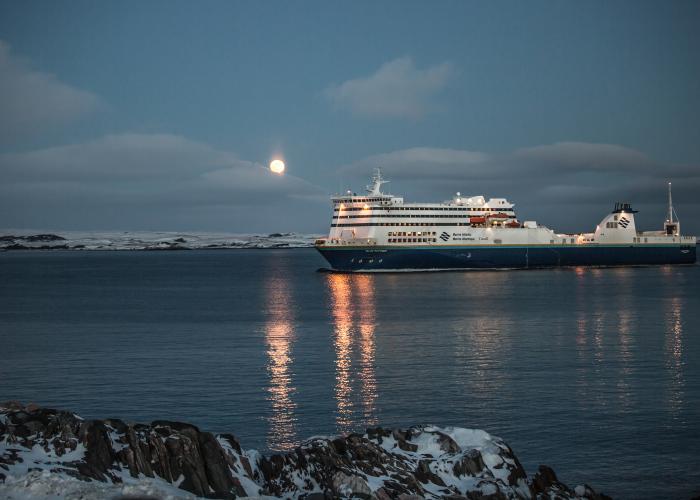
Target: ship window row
[
  {"x": 412, "y": 240},
  {"x": 413, "y": 224},
  {"x": 408, "y": 216},
  {"x": 611, "y": 225},
  {"x": 362, "y": 200},
  {"x": 411, "y": 233},
  {"x": 441, "y": 209}
]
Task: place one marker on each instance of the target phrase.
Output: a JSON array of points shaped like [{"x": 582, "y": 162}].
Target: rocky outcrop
[
  {"x": 30, "y": 242},
  {"x": 420, "y": 462},
  {"x": 32, "y": 238}
]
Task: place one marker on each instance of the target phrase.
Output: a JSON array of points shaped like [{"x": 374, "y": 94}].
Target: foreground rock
[{"x": 40, "y": 446}]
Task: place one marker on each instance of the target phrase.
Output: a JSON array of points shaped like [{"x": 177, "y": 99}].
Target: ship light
[
  {"x": 366, "y": 207},
  {"x": 342, "y": 206}
]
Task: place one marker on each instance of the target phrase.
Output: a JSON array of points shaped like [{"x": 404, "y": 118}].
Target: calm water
[{"x": 593, "y": 371}]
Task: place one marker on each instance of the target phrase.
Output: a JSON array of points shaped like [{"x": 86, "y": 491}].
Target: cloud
[
  {"x": 128, "y": 180},
  {"x": 121, "y": 157},
  {"x": 581, "y": 155},
  {"x": 561, "y": 184},
  {"x": 398, "y": 89},
  {"x": 31, "y": 100},
  {"x": 422, "y": 163}
]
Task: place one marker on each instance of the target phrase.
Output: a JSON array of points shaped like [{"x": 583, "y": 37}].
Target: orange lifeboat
[
  {"x": 513, "y": 224},
  {"x": 499, "y": 215},
  {"x": 477, "y": 220}
]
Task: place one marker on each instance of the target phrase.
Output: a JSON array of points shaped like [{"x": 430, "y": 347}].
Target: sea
[{"x": 593, "y": 371}]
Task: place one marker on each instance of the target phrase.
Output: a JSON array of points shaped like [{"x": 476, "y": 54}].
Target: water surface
[{"x": 592, "y": 371}]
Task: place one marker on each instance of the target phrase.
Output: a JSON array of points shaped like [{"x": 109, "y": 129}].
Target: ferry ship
[{"x": 380, "y": 232}]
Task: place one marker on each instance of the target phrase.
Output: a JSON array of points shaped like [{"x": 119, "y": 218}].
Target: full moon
[{"x": 277, "y": 166}]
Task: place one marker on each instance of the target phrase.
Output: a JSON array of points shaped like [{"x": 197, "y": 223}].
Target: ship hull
[{"x": 502, "y": 257}]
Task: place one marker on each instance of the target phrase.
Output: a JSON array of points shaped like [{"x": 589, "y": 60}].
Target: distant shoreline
[{"x": 152, "y": 241}]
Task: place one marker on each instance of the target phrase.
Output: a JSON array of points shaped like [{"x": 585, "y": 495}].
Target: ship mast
[
  {"x": 377, "y": 181},
  {"x": 671, "y": 227}
]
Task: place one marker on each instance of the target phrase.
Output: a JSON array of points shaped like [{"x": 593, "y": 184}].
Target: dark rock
[
  {"x": 339, "y": 446},
  {"x": 447, "y": 444},
  {"x": 217, "y": 466},
  {"x": 42, "y": 237},
  {"x": 11, "y": 405},
  {"x": 425, "y": 475},
  {"x": 99, "y": 455},
  {"x": 470, "y": 465}
]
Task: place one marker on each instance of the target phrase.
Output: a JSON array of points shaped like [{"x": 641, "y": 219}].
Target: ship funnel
[{"x": 618, "y": 226}]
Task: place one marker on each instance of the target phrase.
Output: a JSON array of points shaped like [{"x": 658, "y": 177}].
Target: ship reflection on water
[
  {"x": 673, "y": 347},
  {"x": 609, "y": 334},
  {"x": 279, "y": 337},
  {"x": 354, "y": 316},
  {"x": 353, "y": 322}
]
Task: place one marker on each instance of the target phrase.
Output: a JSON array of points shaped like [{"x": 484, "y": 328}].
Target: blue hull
[{"x": 427, "y": 258}]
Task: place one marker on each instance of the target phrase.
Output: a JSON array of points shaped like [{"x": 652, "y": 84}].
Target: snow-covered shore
[
  {"x": 77, "y": 240},
  {"x": 47, "y": 453}
]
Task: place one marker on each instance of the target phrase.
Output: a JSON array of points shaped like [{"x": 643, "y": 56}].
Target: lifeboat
[
  {"x": 499, "y": 215},
  {"x": 477, "y": 220},
  {"x": 513, "y": 224}
]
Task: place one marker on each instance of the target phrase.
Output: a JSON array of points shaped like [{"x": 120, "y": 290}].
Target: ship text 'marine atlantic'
[{"x": 379, "y": 231}]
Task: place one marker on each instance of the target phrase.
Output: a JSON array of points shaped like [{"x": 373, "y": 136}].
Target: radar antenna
[{"x": 377, "y": 181}]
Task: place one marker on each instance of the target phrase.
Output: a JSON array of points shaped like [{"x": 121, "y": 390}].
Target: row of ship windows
[
  {"x": 406, "y": 216},
  {"x": 429, "y": 224},
  {"x": 361, "y": 200},
  {"x": 348, "y": 209},
  {"x": 411, "y": 233},
  {"x": 611, "y": 225},
  {"x": 412, "y": 240}
]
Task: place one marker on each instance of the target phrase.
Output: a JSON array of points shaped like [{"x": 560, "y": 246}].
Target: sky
[{"x": 164, "y": 115}]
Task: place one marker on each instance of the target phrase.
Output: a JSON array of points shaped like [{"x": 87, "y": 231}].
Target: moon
[{"x": 277, "y": 166}]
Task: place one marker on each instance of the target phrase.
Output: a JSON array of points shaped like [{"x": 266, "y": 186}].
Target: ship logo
[
  {"x": 624, "y": 222},
  {"x": 444, "y": 236}
]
